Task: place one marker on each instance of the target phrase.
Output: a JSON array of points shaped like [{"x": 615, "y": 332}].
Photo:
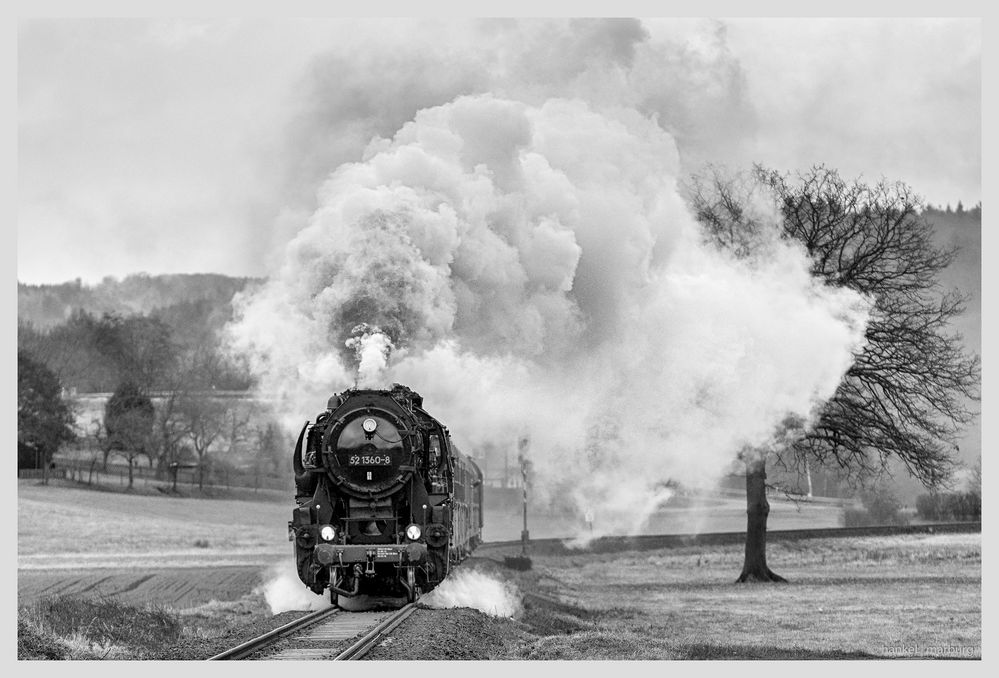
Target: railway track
[{"x": 319, "y": 635}]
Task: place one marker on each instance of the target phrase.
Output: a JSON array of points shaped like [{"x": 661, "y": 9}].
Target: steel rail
[
  {"x": 371, "y": 638},
  {"x": 262, "y": 641}
]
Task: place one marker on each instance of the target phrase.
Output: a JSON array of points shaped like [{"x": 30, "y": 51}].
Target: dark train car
[{"x": 386, "y": 503}]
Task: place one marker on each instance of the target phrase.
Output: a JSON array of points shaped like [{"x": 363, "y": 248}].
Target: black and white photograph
[{"x": 519, "y": 338}]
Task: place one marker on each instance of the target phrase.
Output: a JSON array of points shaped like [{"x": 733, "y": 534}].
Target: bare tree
[
  {"x": 975, "y": 482},
  {"x": 237, "y": 428},
  {"x": 98, "y": 446},
  {"x": 135, "y": 445},
  {"x": 168, "y": 428},
  {"x": 203, "y": 420},
  {"x": 911, "y": 388},
  {"x": 270, "y": 451},
  {"x": 204, "y": 417},
  {"x": 128, "y": 425}
]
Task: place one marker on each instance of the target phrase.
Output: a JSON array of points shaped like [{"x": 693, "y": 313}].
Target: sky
[{"x": 169, "y": 146}]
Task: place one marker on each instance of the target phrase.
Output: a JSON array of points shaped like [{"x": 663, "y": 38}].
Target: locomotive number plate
[{"x": 369, "y": 460}]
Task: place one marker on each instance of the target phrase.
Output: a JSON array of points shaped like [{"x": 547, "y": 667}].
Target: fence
[
  {"x": 39, "y": 473},
  {"x": 94, "y": 471}
]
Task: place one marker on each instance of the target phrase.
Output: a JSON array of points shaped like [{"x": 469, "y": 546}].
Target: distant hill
[{"x": 45, "y": 306}]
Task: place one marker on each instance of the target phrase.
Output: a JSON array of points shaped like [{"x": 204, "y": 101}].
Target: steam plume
[
  {"x": 536, "y": 273},
  {"x": 283, "y": 590},
  {"x": 371, "y": 348},
  {"x": 477, "y": 590}
]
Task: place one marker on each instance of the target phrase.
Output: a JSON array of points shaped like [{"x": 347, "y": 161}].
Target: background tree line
[
  {"x": 166, "y": 373},
  {"x": 94, "y": 354},
  {"x": 185, "y": 425},
  {"x": 188, "y": 427}
]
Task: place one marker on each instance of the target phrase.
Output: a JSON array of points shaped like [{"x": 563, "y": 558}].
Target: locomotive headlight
[
  {"x": 369, "y": 425},
  {"x": 327, "y": 533},
  {"x": 413, "y": 532}
]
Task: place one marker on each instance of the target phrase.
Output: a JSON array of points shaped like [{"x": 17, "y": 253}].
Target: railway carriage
[{"x": 386, "y": 504}]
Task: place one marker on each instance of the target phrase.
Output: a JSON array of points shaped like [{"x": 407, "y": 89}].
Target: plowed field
[{"x": 174, "y": 587}]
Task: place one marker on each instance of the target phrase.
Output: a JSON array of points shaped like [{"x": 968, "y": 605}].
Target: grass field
[
  {"x": 66, "y": 527},
  {"x": 899, "y": 596}
]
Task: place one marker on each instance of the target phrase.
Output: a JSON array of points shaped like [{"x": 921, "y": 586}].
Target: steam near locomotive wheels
[{"x": 386, "y": 503}]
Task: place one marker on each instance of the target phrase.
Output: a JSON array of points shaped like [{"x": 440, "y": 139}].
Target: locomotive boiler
[{"x": 386, "y": 504}]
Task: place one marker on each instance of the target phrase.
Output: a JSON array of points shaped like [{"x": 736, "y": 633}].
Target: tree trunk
[
  {"x": 754, "y": 568},
  {"x": 808, "y": 476},
  {"x": 129, "y": 473}
]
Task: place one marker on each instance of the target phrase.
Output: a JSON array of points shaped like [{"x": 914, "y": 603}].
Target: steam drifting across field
[
  {"x": 478, "y": 590},
  {"x": 532, "y": 270}
]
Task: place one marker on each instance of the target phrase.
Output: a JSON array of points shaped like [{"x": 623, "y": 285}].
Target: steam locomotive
[{"x": 386, "y": 504}]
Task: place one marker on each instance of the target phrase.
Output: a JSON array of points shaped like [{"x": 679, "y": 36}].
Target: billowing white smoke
[
  {"x": 372, "y": 349},
  {"x": 283, "y": 590},
  {"x": 535, "y": 272},
  {"x": 471, "y": 588},
  {"x": 371, "y": 82}
]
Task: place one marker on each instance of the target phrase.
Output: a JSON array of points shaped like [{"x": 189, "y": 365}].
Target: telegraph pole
[
  {"x": 524, "y": 534},
  {"x": 522, "y": 562}
]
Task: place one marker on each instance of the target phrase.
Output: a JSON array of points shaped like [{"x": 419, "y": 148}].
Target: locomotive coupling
[{"x": 339, "y": 554}]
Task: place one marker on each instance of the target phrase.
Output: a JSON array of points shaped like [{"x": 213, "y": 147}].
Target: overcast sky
[{"x": 197, "y": 146}]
